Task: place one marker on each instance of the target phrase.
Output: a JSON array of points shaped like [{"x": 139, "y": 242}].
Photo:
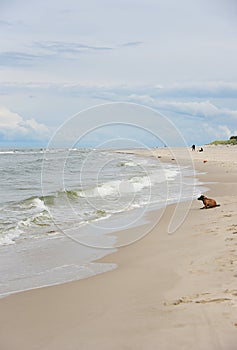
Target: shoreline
[
  {"x": 168, "y": 289},
  {"x": 59, "y": 260}
]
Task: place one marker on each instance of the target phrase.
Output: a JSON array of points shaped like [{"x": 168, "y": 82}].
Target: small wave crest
[
  {"x": 117, "y": 187},
  {"x": 39, "y": 204},
  {"x": 30, "y": 212},
  {"x": 9, "y": 237}
]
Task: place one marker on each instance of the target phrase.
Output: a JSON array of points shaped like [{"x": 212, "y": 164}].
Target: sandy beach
[{"x": 170, "y": 291}]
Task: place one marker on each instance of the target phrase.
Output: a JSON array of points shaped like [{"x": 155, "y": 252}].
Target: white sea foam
[
  {"x": 139, "y": 182},
  {"x": 130, "y": 164},
  {"x": 109, "y": 188},
  {"x": 7, "y": 152},
  {"x": 39, "y": 204},
  {"x": 127, "y": 164},
  {"x": 170, "y": 174},
  {"x": 10, "y": 237},
  {"x": 117, "y": 187},
  {"x": 36, "y": 213}
]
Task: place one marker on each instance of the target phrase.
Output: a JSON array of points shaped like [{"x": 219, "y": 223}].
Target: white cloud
[
  {"x": 13, "y": 127},
  {"x": 225, "y": 130},
  {"x": 218, "y": 132},
  {"x": 204, "y": 119},
  {"x": 191, "y": 108}
]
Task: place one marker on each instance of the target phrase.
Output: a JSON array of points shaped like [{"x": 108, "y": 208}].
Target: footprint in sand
[
  {"x": 203, "y": 299},
  {"x": 185, "y": 300},
  {"x": 229, "y": 239},
  {"x": 232, "y": 227}
]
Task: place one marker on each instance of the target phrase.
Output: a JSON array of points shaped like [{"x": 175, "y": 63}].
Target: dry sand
[{"x": 169, "y": 292}]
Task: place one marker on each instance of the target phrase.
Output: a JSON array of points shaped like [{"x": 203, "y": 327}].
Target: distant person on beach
[
  {"x": 193, "y": 147},
  {"x": 201, "y": 149}
]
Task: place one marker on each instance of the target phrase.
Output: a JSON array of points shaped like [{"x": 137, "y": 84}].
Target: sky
[{"x": 59, "y": 58}]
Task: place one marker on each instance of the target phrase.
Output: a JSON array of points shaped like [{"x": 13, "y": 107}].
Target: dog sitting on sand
[{"x": 208, "y": 202}]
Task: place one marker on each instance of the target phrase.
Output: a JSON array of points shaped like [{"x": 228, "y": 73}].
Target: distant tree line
[
  {"x": 232, "y": 141},
  {"x": 233, "y": 138}
]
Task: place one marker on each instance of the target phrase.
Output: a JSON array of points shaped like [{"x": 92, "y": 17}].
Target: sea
[{"x": 60, "y": 209}]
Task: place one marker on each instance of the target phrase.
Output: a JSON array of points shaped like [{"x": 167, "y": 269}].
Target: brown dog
[{"x": 208, "y": 202}]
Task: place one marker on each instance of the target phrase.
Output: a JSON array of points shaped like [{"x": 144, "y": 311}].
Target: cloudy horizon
[{"x": 57, "y": 59}]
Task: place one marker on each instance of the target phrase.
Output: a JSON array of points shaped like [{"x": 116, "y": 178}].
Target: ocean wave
[
  {"x": 34, "y": 151},
  {"x": 10, "y": 237},
  {"x": 125, "y": 184},
  {"x": 35, "y": 218},
  {"x": 31, "y": 212},
  {"x": 33, "y": 203},
  {"x": 132, "y": 185},
  {"x": 116, "y": 188},
  {"x": 22, "y": 152},
  {"x": 7, "y": 152}
]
